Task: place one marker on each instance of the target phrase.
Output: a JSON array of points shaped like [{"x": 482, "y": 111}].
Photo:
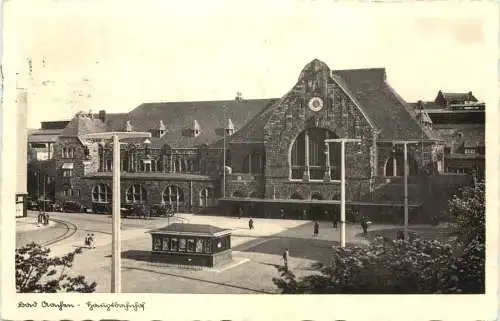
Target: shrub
[{"x": 37, "y": 272}]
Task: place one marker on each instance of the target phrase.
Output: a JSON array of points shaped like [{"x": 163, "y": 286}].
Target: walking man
[
  {"x": 335, "y": 219},
  {"x": 282, "y": 214},
  {"x": 250, "y": 224},
  {"x": 316, "y": 229},
  {"x": 286, "y": 254},
  {"x": 92, "y": 241},
  {"x": 364, "y": 226},
  {"x": 87, "y": 240}
]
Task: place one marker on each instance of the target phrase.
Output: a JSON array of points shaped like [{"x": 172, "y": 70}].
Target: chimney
[{"x": 102, "y": 115}]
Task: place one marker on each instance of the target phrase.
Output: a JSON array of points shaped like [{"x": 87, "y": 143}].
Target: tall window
[
  {"x": 207, "y": 197},
  {"x": 253, "y": 163},
  {"x": 399, "y": 162},
  {"x": 136, "y": 194},
  {"x": 108, "y": 165},
  {"x": 101, "y": 193},
  {"x": 311, "y": 143},
  {"x": 67, "y": 152},
  {"x": 173, "y": 195},
  {"x": 67, "y": 191}
]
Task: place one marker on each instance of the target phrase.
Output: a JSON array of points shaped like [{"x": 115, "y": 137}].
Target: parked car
[
  {"x": 46, "y": 205},
  {"x": 101, "y": 208},
  {"x": 162, "y": 210},
  {"x": 137, "y": 210},
  {"x": 32, "y": 205},
  {"x": 73, "y": 207}
]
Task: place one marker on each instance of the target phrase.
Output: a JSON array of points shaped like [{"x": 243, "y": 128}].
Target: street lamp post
[
  {"x": 116, "y": 245},
  {"x": 342, "y": 142},
  {"x": 405, "y": 180}
]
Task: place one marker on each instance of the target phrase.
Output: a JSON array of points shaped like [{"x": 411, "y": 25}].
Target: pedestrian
[
  {"x": 87, "y": 240},
  {"x": 250, "y": 224},
  {"x": 304, "y": 214},
  {"x": 335, "y": 219},
  {"x": 286, "y": 254},
  {"x": 364, "y": 226},
  {"x": 316, "y": 229},
  {"x": 92, "y": 241},
  {"x": 282, "y": 214}
]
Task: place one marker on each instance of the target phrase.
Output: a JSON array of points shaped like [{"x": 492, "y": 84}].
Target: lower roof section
[
  {"x": 316, "y": 202},
  {"x": 153, "y": 176}
]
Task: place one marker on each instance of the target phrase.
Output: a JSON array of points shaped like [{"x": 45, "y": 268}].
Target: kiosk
[{"x": 191, "y": 244}]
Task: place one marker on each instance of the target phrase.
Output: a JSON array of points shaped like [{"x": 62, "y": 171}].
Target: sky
[{"x": 115, "y": 55}]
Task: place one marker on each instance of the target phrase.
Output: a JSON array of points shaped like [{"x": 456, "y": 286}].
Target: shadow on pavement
[
  {"x": 137, "y": 255},
  {"x": 317, "y": 250},
  {"x": 199, "y": 280}
]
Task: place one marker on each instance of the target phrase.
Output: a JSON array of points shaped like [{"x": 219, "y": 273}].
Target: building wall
[
  {"x": 292, "y": 117},
  {"x": 154, "y": 191}
]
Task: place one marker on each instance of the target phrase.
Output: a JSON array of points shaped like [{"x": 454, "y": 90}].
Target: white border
[{"x": 265, "y": 307}]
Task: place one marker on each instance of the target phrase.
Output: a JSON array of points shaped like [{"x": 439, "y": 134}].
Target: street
[{"x": 256, "y": 253}]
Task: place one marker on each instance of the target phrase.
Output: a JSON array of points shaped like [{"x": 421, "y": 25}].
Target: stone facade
[{"x": 277, "y": 155}]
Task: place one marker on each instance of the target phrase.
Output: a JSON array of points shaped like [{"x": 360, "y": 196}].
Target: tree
[
  {"x": 413, "y": 266},
  {"x": 37, "y": 272}
]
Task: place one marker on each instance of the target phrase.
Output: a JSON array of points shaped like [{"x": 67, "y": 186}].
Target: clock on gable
[{"x": 315, "y": 104}]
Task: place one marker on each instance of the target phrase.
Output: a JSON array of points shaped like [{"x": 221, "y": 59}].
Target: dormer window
[
  {"x": 162, "y": 130},
  {"x": 128, "y": 126},
  {"x": 229, "y": 130},
  {"x": 196, "y": 129}
]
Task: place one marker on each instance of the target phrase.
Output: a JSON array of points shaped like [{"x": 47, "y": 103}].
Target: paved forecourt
[{"x": 256, "y": 254}]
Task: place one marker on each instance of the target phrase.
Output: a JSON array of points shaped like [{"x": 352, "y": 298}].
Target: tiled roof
[
  {"x": 253, "y": 130},
  {"x": 459, "y": 96},
  {"x": 153, "y": 175},
  {"x": 81, "y": 125},
  {"x": 471, "y": 134},
  {"x": 383, "y": 106},
  {"x": 116, "y": 121},
  {"x": 43, "y": 135},
  {"x": 179, "y": 118},
  {"x": 190, "y": 228}
]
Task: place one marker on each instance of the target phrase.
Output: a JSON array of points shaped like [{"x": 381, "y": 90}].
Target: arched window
[
  {"x": 101, "y": 193},
  {"x": 136, "y": 194},
  {"x": 308, "y": 155},
  {"x": 253, "y": 163},
  {"x": 207, "y": 197},
  {"x": 173, "y": 195}
]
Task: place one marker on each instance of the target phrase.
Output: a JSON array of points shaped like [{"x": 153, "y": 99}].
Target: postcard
[{"x": 250, "y": 160}]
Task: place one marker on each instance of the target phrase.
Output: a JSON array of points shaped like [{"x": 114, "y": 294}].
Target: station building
[{"x": 274, "y": 151}]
